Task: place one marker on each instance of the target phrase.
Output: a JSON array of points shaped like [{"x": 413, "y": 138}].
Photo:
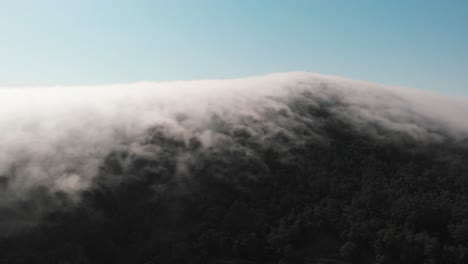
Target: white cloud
[{"x": 58, "y": 136}]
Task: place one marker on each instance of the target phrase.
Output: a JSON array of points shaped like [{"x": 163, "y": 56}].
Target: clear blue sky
[{"x": 421, "y": 44}]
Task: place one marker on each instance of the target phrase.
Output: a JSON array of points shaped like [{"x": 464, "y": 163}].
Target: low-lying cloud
[{"x": 58, "y": 136}]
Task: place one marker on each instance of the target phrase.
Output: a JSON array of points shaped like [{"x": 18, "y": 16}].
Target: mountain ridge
[{"x": 275, "y": 169}]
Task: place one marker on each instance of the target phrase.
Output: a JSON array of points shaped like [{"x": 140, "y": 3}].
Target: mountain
[{"x": 284, "y": 168}]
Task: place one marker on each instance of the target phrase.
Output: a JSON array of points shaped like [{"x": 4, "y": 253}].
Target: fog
[{"x": 58, "y": 136}]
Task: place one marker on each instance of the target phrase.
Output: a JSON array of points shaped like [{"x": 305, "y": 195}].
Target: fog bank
[{"x": 58, "y": 136}]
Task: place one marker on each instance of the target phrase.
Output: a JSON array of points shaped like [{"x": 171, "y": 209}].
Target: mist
[{"x": 58, "y": 136}]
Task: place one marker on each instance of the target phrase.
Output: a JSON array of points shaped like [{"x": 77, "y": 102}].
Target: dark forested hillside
[{"x": 316, "y": 192}]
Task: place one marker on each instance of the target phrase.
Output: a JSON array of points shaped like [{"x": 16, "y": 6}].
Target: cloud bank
[{"x": 58, "y": 136}]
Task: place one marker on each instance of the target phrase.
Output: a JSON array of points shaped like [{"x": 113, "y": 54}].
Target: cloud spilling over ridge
[{"x": 58, "y": 136}]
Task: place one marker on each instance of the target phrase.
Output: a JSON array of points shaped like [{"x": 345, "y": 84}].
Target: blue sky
[{"x": 420, "y": 44}]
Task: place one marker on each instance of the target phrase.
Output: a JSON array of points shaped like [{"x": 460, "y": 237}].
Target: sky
[{"x": 419, "y": 44}]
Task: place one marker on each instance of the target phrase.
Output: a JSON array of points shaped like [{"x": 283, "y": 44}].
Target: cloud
[{"x": 58, "y": 136}]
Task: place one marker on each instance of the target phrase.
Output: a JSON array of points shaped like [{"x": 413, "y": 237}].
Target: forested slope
[{"x": 301, "y": 183}]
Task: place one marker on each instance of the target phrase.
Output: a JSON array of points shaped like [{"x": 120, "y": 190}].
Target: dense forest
[{"x": 290, "y": 196}]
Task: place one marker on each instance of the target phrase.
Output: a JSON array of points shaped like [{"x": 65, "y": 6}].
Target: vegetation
[{"x": 346, "y": 198}]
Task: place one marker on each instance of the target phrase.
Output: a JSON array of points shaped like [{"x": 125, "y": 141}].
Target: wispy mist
[{"x": 58, "y": 136}]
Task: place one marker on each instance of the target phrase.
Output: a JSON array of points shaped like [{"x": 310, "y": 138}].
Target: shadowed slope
[{"x": 290, "y": 167}]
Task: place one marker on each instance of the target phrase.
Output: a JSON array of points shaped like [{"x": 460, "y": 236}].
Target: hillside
[{"x": 284, "y": 168}]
